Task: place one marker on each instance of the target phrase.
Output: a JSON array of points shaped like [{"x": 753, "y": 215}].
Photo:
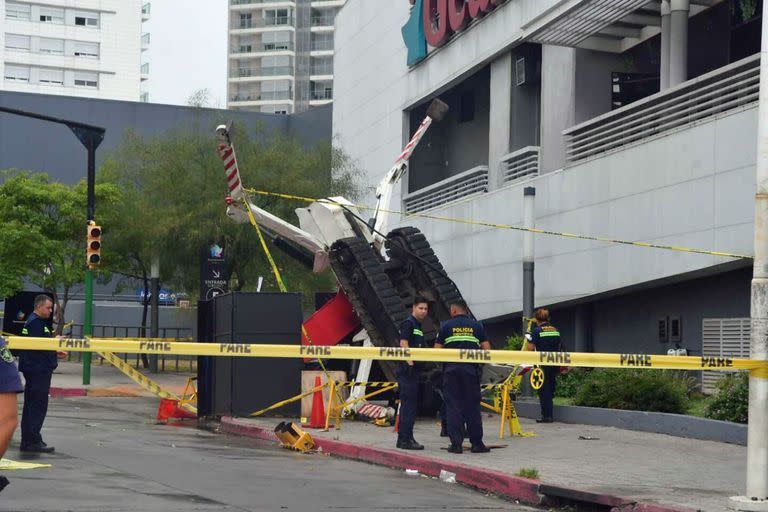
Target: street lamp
[{"x": 89, "y": 136}]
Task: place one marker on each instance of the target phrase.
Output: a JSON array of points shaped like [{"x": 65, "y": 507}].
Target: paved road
[{"x": 111, "y": 457}]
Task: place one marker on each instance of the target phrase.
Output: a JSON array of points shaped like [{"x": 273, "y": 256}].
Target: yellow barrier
[{"x": 639, "y": 361}]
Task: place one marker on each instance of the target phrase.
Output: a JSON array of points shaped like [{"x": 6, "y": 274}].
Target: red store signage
[{"x": 443, "y": 18}]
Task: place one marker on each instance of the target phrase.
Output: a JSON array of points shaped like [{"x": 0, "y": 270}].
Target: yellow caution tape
[
  {"x": 11, "y": 465},
  {"x": 508, "y": 226},
  {"x": 638, "y": 361}
]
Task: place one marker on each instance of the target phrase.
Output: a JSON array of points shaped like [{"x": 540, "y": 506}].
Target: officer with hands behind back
[
  {"x": 461, "y": 381},
  {"x": 411, "y": 336},
  {"x": 545, "y": 337}
]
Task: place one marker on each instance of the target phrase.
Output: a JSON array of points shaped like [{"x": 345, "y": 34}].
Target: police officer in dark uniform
[
  {"x": 544, "y": 337},
  {"x": 461, "y": 381},
  {"x": 37, "y": 367},
  {"x": 411, "y": 336},
  {"x": 10, "y": 386}
]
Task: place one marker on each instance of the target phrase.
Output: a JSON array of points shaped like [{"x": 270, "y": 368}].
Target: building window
[
  {"x": 86, "y": 79},
  {"x": 52, "y": 15},
  {"x": 52, "y": 46},
  {"x": 145, "y": 68},
  {"x": 16, "y": 73},
  {"x": 87, "y": 19},
  {"x": 246, "y": 20},
  {"x": 144, "y": 97},
  {"x": 83, "y": 49},
  {"x": 50, "y": 76},
  {"x": 16, "y": 42},
  {"x": 17, "y": 11}
]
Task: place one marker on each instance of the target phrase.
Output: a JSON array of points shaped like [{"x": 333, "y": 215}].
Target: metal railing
[
  {"x": 322, "y": 95},
  {"x": 266, "y": 71},
  {"x": 277, "y": 21},
  {"x": 460, "y": 186},
  {"x": 519, "y": 164},
  {"x": 321, "y": 70},
  {"x": 264, "y": 96},
  {"x": 322, "y": 21},
  {"x": 118, "y": 331},
  {"x": 731, "y": 87},
  {"x": 265, "y": 47},
  {"x": 245, "y": 2},
  {"x": 321, "y": 45}
]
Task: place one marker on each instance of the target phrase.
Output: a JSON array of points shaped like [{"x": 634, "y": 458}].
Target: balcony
[
  {"x": 145, "y": 11},
  {"x": 321, "y": 46},
  {"x": 728, "y": 89},
  {"x": 145, "y": 42},
  {"x": 520, "y": 164},
  {"x": 461, "y": 186},
  {"x": 246, "y": 2},
  {"x": 264, "y": 72},
  {"x": 144, "y": 71},
  {"x": 278, "y": 21},
  {"x": 264, "y": 48},
  {"x": 263, "y": 96},
  {"x": 322, "y": 21}
]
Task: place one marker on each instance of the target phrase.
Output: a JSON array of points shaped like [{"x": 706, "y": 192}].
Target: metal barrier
[
  {"x": 122, "y": 331},
  {"x": 729, "y": 88},
  {"x": 460, "y": 186},
  {"x": 519, "y": 164}
]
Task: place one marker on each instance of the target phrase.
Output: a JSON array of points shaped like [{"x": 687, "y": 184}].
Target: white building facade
[
  {"x": 89, "y": 48},
  {"x": 281, "y": 54},
  {"x": 633, "y": 119}
]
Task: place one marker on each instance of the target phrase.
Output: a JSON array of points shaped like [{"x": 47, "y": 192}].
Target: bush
[
  {"x": 515, "y": 342},
  {"x": 635, "y": 390},
  {"x": 731, "y": 401},
  {"x": 569, "y": 383}
]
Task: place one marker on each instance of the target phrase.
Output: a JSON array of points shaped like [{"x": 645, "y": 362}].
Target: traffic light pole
[{"x": 89, "y": 136}]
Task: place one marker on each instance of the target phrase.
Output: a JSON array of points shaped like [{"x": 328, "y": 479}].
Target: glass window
[
  {"x": 17, "y": 11},
  {"x": 87, "y": 19},
  {"x": 51, "y": 76},
  {"x": 16, "y": 42},
  {"x": 52, "y": 46},
  {"x": 17, "y": 73},
  {"x": 52, "y": 15},
  {"x": 86, "y": 79},
  {"x": 83, "y": 49}
]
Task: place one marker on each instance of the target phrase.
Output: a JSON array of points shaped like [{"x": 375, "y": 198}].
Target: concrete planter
[{"x": 657, "y": 422}]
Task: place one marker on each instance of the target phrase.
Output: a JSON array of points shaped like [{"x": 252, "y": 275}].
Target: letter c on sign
[
  {"x": 458, "y": 14},
  {"x": 436, "y": 25}
]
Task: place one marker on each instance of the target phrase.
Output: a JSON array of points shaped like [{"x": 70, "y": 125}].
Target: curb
[
  {"x": 67, "y": 392},
  {"x": 512, "y": 487}
]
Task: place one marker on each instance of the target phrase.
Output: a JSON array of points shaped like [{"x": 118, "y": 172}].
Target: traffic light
[{"x": 93, "y": 250}]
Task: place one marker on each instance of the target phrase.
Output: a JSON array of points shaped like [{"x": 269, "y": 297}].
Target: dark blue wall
[{"x": 35, "y": 145}]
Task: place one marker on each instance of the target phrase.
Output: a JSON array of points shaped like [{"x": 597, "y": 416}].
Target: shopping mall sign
[{"x": 434, "y": 22}]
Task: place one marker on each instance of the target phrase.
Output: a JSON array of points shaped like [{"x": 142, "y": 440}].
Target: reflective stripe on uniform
[
  {"x": 452, "y": 339},
  {"x": 418, "y": 332},
  {"x": 24, "y": 331},
  {"x": 548, "y": 334}
]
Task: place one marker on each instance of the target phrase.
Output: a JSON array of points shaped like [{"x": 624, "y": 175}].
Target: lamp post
[{"x": 89, "y": 136}]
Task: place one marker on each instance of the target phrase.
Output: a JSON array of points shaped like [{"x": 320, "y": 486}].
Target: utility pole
[
  {"x": 529, "y": 194},
  {"x": 757, "y": 442}
]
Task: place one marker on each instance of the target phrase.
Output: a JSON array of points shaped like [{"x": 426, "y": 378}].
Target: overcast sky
[{"x": 188, "y": 50}]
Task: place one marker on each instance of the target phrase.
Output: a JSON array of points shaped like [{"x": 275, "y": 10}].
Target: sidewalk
[
  {"x": 106, "y": 380},
  {"x": 606, "y": 461}
]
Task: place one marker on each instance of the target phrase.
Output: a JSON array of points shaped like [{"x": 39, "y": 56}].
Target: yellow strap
[{"x": 275, "y": 270}]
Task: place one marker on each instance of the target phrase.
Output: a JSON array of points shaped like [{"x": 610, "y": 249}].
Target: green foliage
[
  {"x": 569, "y": 383},
  {"x": 635, "y": 390},
  {"x": 175, "y": 186},
  {"x": 42, "y": 233},
  {"x": 515, "y": 342},
  {"x": 731, "y": 401},
  {"x": 531, "y": 473}
]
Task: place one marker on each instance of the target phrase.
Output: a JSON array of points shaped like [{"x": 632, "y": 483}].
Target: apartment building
[
  {"x": 632, "y": 119},
  {"x": 281, "y": 54},
  {"x": 89, "y": 48}
]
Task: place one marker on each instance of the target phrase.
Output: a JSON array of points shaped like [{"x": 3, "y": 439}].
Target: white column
[
  {"x": 678, "y": 44},
  {"x": 500, "y": 117},
  {"x": 665, "y": 35}
]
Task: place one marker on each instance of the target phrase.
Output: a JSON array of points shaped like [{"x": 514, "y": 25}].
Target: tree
[
  {"x": 43, "y": 224},
  {"x": 174, "y": 188}
]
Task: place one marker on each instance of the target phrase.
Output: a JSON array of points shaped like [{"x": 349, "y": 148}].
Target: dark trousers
[
  {"x": 408, "y": 386},
  {"x": 461, "y": 390},
  {"x": 36, "y": 389},
  {"x": 547, "y": 391}
]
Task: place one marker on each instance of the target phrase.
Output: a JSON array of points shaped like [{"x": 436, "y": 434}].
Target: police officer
[
  {"x": 37, "y": 367},
  {"x": 461, "y": 381},
  {"x": 407, "y": 372},
  {"x": 10, "y": 385},
  {"x": 544, "y": 337}
]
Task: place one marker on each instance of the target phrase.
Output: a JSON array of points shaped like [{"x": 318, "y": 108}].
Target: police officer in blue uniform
[
  {"x": 411, "y": 336},
  {"x": 461, "y": 381},
  {"x": 10, "y": 386},
  {"x": 37, "y": 367},
  {"x": 545, "y": 337}
]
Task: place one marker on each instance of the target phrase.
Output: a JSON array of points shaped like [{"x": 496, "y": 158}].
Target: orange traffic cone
[
  {"x": 169, "y": 409},
  {"x": 317, "y": 417}
]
